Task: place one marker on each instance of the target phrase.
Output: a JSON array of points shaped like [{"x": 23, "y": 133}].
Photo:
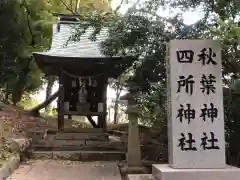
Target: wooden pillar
[
  {"x": 61, "y": 102},
  {"x": 102, "y": 120}
]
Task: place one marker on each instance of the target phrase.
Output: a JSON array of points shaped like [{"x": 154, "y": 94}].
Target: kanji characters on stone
[
  {"x": 187, "y": 143},
  {"x": 187, "y": 84},
  {"x": 186, "y": 112},
  {"x": 206, "y": 56},
  {"x": 210, "y": 112},
  {"x": 208, "y": 84},
  {"x": 185, "y": 56},
  {"x": 209, "y": 143}
]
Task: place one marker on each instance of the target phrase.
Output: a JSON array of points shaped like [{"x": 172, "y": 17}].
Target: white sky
[{"x": 189, "y": 18}]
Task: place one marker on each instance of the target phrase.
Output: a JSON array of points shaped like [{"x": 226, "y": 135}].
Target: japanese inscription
[
  {"x": 185, "y": 56},
  {"x": 186, "y": 83},
  {"x": 206, "y": 142},
  {"x": 196, "y": 118},
  {"x": 188, "y": 113},
  {"x": 187, "y": 144},
  {"x": 207, "y": 84},
  {"x": 211, "y": 141},
  {"x": 210, "y": 112},
  {"x": 207, "y": 56}
]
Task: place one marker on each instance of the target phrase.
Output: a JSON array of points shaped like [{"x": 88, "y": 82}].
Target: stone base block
[{"x": 165, "y": 172}]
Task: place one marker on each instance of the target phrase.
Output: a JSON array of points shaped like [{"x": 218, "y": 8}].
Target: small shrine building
[{"x": 82, "y": 69}]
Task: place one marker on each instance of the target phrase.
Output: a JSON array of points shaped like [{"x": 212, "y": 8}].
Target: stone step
[
  {"x": 79, "y": 155},
  {"x": 82, "y": 136},
  {"x": 79, "y": 130},
  {"x": 82, "y": 143},
  {"x": 75, "y": 148},
  {"x": 79, "y": 144},
  {"x": 140, "y": 177}
]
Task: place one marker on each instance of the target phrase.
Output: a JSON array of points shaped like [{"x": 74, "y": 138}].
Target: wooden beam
[
  {"x": 87, "y": 113},
  {"x": 61, "y": 102},
  {"x": 67, "y": 15},
  {"x": 102, "y": 119}
]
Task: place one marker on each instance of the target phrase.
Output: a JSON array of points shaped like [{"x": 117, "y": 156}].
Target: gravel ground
[{"x": 62, "y": 170}]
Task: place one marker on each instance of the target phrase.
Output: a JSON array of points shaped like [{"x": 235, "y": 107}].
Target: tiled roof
[{"x": 83, "y": 48}]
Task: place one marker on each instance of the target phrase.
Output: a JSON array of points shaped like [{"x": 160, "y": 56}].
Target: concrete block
[{"x": 165, "y": 172}]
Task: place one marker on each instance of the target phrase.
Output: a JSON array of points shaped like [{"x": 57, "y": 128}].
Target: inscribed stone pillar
[
  {"x": 195, "y": 114},
  {"x": 197, "y": 120}
]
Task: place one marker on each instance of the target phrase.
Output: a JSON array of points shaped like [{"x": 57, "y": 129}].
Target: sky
[{"x": 189, "y": 18}]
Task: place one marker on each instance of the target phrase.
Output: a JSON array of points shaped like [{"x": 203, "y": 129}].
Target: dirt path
[{"x": 62, "y": 170}]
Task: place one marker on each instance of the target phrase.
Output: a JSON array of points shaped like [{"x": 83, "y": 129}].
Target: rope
[{"x": 82, "y": 77}]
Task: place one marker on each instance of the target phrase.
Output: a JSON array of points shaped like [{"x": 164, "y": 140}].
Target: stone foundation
[{"x": 165, "y": 172}]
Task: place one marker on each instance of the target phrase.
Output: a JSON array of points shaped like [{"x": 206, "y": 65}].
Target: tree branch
[
  {"x": 118, "y": 7},
  {"x": 68, "y": 8},
  {"x": 77, "y": 5},
  {"x": 28, "y": 22},
  {"x": 35, "y": 111}
]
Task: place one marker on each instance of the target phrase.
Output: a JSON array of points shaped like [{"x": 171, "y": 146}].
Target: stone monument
[
  {"x": 195, "y": 114},
  {"x": 134, "y": 160}
]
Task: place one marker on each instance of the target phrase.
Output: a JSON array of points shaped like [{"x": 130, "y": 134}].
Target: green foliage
[
  {"x": 80, "y": 7},
  {"x": 27, "y": 28},
  {"x": 14, "y": 57},
  {"x": 28, "y": 102},
  {"x": 153, "y": 107},
  {"x": 232, "y": 125}
]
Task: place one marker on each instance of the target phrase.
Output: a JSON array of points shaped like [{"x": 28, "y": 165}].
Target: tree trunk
[
  {"x": 115, "y": 117},
  {"x": 35, "y": 110},
  {"x": 6, "y": 98},
  {"x": 21, "y": 83},
  {"x": 50, "y": 83},
  {"x": 94, "y": 125},
  {"x": 116, "y": 105}
]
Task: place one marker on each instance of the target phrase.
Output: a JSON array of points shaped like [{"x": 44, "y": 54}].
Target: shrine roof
[
  {"x": 82, "y": 57},
  {"x": 74, "y": 49}
]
